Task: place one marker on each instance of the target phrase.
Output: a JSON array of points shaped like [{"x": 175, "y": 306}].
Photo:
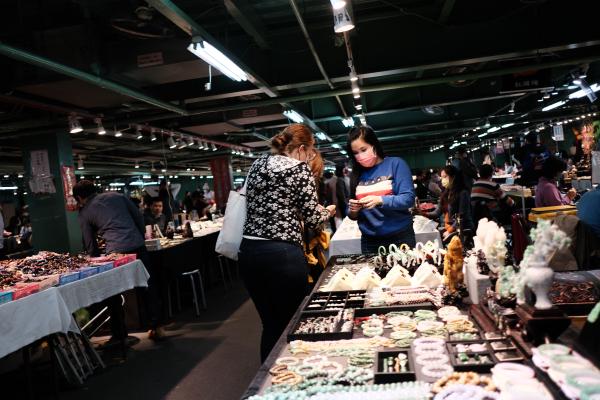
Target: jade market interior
[{"x": 300, "y": 199}]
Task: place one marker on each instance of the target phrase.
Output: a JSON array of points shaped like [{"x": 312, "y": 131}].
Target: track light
[
  {"x": 357, "y": 95},
  {"x": 487, "y": 123},
  {"x": 200, "y": 145},
  {"x": 359, "y": 107},
  {"x": 355, "y": 89},
  {"x": 353, "y": 76},
  {"x": 118, "y": 133},
  {"x": 152, "y": 137},
  {"x": 101, "y": 130},
  {"x": 137, "y": 165},
  {"x": 204, "y": 50},
  {"x": 182, "y": 143},
  {"x": 190, "y": 141},
  {"x": 74, "y": 125},
  {"x": 206, "y": 146},
  {"x": 80, "y": 163},
  {"x": 213, "y": 147},
  {"x": 512, "y": 107},
  {"x": 138, "y": 132},
  {"x": 171, "y": 142}
]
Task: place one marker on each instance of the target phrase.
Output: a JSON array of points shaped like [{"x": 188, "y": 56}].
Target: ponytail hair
[{"x": 292, "y": 137}]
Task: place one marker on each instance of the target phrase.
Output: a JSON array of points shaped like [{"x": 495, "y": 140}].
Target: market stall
[
  {"x": 396, "y": 325},
  {"x": 346, "y": 239}
]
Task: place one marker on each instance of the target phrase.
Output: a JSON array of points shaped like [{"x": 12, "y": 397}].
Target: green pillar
[{"x": 54, "y": 227}]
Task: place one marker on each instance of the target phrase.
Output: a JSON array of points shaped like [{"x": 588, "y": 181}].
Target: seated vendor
[
  {"x": 546, "y": 192},
  {"x": 154, "y": 215},
  {"x": 587, "y": 210},
  {"x": 488, "y": 199}
]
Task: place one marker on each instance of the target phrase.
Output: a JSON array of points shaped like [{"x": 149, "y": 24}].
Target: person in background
[
  {"x": 188, "y": 203},
  {"x": 588, "y": 210},
  {"x": 116, "y": 219},
  {"x": 281, "y": 194},
  {"x": 383, "y": 193},
  {"x": 342, "y": 195},
  {"x": 331, "y": 197},
  {"x": 546, "y": 192},
  {"x": 487, "y": 197},
  {"x": 463, "y": 163},
  {"x": 434, "y": 184},
  {"x": 459, "y": 207},
  {"x": 209, "y": 195},
  {"x": 421, "y": 190},
  {"x": 199, "y": 204},
  {"x": 2, "y": 231},
  {"x": 25, "y": 234},
  {"x": 154, "y": 215},
  {"x": 164, "y": 194},
  {"x": 531, "y": 157}
]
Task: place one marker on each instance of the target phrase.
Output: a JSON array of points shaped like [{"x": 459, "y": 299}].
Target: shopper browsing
[
  {"x": 119, "y": 222},
  {"x": 280, "y": 196},
  {"x": 154, "y": 215},
  {"x": 546, "y": 192},
  {"x": 382, "y": 191},
  {"x": 487, "y": 197}
]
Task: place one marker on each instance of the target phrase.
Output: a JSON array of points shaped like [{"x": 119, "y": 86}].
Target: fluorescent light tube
[
  {"x": 348, "y": 122},
  {"x": 554, "y": 105},
  {"x": 294, "y": 116},
  {"x": 220, "y": 61}
]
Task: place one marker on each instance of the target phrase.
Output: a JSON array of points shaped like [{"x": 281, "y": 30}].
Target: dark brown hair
[{"x": 291, "y": 138}]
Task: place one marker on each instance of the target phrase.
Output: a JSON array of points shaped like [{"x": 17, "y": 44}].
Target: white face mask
[{"x": 445, "y": 182}]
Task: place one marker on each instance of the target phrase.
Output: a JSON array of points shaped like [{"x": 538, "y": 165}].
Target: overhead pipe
[
  {"x": 42, "y": 62},
  {"x": 378, "y": 88},
  {"x": 39, "y": 105},
  {"x": 314, "y": 53}
]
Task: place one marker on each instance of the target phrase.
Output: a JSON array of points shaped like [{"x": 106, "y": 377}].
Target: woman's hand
[
  {"x": 331, "y": 210},
  {"x": 354, "y": 206},
  {"x": 370, "y": 202}
]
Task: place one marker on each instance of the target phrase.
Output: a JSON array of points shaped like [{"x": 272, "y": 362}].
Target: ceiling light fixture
[
  {"x": 213, "y": 147},
  {"x": 353, "y": 76},
  {"x": 512, "y": 107},
  {"x": 294, "y": 116},
  {"x": 101, "y": 130},
  {"x": 487, "y": 123},
  {"x": 342, "y": 21},
  {"x": 138, "y": 132},
  {"x": 206, "y": 146},
  {"x": 137, "y": 165},
  {"x": 337, "y": 4},
  {"x": 200, "y": 145},
  {"x": 359, "y": 107},
  {"x": 357, "y": 95},
  {"x": 554, "y": 105},
  {"x": 507, "y": 125},
  {"x": 204, "y": 50},
  {"x": 80, "y": 165},
  {"x": 74, "y": 125},
  {"x": 118, "y": 133},
  {"x": 182, "y": 143},
  {"x": 190, "y": 141},
  {"x": 171, "y": 142},
  {"x": 348, "y": 122}
]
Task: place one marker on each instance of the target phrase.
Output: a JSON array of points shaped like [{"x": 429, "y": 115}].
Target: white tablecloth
[
  {"x": 31, "y": 318},
  {"x": 346, "y": 239}
]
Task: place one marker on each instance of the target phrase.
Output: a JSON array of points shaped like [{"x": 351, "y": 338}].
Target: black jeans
[
  {"x": 276, "y": 277},
  {"x": 370, "y": 244}
]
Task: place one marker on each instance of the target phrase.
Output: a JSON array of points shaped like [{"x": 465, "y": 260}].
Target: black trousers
[{"x": 276, "y": 276}]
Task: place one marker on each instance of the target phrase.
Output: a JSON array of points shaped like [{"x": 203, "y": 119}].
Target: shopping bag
[{"x": 230, "y": 237}]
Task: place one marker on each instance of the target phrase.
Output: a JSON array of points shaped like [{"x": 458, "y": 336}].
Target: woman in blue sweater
[{"x": 382, "y": 192}]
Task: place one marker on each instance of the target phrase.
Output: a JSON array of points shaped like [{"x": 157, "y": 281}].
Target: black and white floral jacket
[{"x": 279, "y": 190}]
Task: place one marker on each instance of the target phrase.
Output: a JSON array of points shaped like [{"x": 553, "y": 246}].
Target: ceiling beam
[{"x": 246, "y": 17}]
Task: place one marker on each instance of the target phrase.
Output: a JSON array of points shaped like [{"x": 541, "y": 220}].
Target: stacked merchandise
[{"x": 23, "y": 277}]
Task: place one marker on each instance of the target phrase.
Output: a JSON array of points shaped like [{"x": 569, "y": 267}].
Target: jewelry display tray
[
  {"x": 315, "y": 337},
  {"x": 333, "y": 298},
  {"x": 390, "y": 377},
  {"x": 477, "y": 367}
]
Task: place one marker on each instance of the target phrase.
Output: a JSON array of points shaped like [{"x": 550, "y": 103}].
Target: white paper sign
[
  {"x": 559, "y": 134},
  {"x": 41, "y": 179}
]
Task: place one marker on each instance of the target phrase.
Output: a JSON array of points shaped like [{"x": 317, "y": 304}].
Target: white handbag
[{"x": 230, "y": 237}]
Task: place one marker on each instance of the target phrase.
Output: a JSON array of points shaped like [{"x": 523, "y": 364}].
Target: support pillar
[{"x": 55, "y": 228}]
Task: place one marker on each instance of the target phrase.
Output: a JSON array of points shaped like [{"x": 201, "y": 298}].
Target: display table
[
  {"x": 31, "y": 318},
  {"x": 346, "y": 239},
  {"x": 551, "y": 212}
]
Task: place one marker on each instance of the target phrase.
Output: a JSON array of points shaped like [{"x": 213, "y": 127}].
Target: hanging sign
[
  {"x": 41, "y": 180},
  {"x": 68, "y": 180},
  {"x": 559, "y": 134},
  {"x": 221, "y": 179}
]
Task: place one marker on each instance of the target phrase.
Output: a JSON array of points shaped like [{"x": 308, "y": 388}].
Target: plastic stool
[{"x": 195, "y": 299}]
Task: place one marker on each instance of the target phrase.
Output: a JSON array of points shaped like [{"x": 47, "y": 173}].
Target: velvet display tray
[
  {"x": 321, "y": 301},
  {"x": 471, "y": 366},
  {"x": 390, "y": 377},
  {"x": 316, "y": 337}
]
